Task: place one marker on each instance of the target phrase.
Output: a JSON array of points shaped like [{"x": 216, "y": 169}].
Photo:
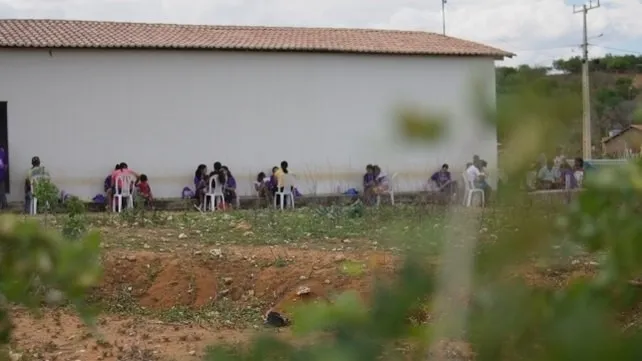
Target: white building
[{"x": 84, "y": 96}]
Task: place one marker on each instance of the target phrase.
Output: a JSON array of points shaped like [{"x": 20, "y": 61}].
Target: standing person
[
  {"x": 4, "y": 165},
  {"x": 37, "y": 171}
]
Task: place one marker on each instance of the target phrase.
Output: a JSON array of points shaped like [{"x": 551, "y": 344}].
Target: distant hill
[{"x": 616, "y": 84}]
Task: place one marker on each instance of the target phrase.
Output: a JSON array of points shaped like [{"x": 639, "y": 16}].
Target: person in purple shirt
[
  {"x": 273, "y": 183},
  {"x": 200, "y": 184},
  {"x": 443, "y": 180},
  {"x": 567, "y": 174},
  {"x": 369, "y": 184},
  {"x": 3, "y": 178}
]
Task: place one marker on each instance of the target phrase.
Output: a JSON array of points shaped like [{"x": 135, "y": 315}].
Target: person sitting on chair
[
  {"x": 443, "y": 180},
  {"x": 474, "y": 173}
]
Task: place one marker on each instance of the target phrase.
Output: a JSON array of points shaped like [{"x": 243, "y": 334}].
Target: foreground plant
[{"x": 39, "y": 266}]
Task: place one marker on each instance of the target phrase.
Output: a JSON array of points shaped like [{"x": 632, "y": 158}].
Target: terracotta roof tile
[{"x": 104, "y": 35}]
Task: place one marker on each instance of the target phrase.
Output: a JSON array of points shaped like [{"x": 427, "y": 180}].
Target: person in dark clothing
[
  {"x": 3, "y": 178},
  {"x": 229, "y": 189}
]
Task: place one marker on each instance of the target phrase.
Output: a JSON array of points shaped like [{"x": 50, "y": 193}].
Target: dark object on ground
[{"x": 275, "y": 319}]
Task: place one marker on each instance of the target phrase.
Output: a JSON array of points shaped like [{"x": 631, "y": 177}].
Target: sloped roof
[
  {"x": 632, "y": 126},
  {"x": 119, "y": 35}
]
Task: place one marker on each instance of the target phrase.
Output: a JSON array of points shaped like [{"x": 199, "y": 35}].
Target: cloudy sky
[{"x": 537, "y": 30}]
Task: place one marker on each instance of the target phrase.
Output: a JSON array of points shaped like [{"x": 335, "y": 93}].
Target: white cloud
[{"x": 537, "y": 30}]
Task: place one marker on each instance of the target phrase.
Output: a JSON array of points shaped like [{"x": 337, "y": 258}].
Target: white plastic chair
[
  {"x": 470, "y": 190},
  {"x": 33, "y": 205},
  {"x": 124, "y": 188},
  {"x": 579, "y": 177},
  {"x": 214, "y": 195},
  {"x": 389, "y": 190},
  {"x": 288, "y": 185}
]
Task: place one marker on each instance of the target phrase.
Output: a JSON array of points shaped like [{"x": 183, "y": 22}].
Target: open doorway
[{"x": 4, "y": 140}]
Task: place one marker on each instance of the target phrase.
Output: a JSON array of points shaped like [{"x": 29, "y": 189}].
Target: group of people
[
  {"x": 219, "y": 176},
  {"x": 114, "y": 185},
  {"x": 268, "y": 187},
  {"x": 475, "y": 171},
  {"x": 375, "y": 182},
  {"x": 552, "y": 174},
  {"x": 556, "y": 174}
]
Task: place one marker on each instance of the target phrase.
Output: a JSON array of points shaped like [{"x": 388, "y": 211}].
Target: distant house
[{"x": 628, "y": 140}]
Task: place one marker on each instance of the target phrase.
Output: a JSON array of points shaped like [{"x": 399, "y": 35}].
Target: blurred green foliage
[{"x": 39, "y": 267}]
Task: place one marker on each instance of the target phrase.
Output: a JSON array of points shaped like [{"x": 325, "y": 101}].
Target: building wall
[
  {"x": 164, "y": 112},
  {"x": 630, "y": 139}
]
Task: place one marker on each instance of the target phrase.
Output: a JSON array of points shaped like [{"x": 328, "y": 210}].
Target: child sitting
[{"x": 145, "y": 190}]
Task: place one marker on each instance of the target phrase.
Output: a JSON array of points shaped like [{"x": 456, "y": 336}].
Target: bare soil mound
[{"x": 270, "y": 275}]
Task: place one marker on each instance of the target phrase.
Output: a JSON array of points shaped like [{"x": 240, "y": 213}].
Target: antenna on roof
[{"x": 443, "y": 16}]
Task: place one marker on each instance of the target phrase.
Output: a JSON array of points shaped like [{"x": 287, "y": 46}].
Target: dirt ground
[
  {"x": 257, "y": 278},
  {"x": 250, "y": 280}
]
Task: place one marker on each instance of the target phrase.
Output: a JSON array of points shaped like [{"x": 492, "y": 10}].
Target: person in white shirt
[
  {"x": 474, "y": 172},
  {"x": 547, "y": 176}
]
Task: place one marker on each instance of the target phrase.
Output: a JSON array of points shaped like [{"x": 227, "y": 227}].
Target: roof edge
[{"x": 489, "y": 51}]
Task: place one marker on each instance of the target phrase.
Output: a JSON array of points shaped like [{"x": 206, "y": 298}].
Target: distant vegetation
[{"x": 616, "y": 82}]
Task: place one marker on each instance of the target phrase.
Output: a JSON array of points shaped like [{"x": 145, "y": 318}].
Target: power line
[{"x": 620, "y": 50}]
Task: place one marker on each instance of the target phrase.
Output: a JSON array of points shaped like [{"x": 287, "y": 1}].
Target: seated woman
[
  {"x": 145, "y": 190},
  {"x": 443, "y": 180},
  {"x": 567, "y": 176},
  {"x": 262, "y": 187},
  {"x": 369, "y": 184},
  {"x": 200, "y": 185},
  {"x": 229, "y": 189},
  {"x": 110, "y": 187},
  {"x": 381, "y": 180}
]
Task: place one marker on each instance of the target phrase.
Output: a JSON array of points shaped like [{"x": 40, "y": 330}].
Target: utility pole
[
  {"x": 443, "y": 16},
  {"x": 586, "y": 92}
]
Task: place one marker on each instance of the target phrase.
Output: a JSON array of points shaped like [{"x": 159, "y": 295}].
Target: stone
[{"x": 303, "y": 290}]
